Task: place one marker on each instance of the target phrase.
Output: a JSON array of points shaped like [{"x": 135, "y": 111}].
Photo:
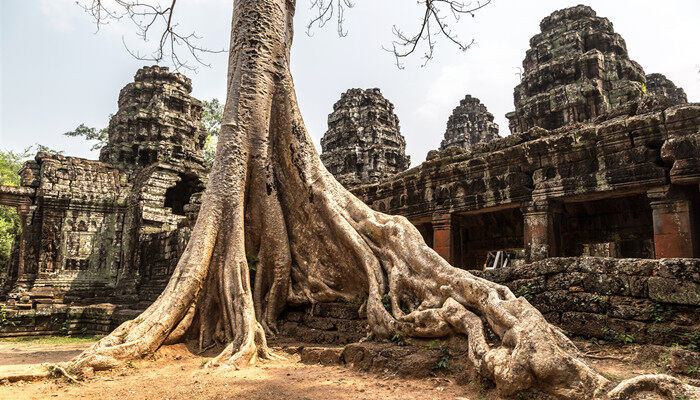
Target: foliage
[
  {"x": 253, "y": 261},
  {"x": 443, "y": 362},
  {"x": 212, "y": 114},
  {"x": 99, "y": 135},
  {"x": 399, "y": 339},
  {"x": 54, "y": 340},
  {"x": 527, "y": 291},
  {"x": 386, "y": 301},
  {"x": 10, "y": 164},
  {"x": 615, "y": 336},
  {"x": 659, "y": 312}
]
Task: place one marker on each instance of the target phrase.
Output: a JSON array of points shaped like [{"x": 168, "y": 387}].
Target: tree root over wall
[{"x": 270, "y": 199}]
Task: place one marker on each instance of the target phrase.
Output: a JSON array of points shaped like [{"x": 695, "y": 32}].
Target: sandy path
[{"x": 174, "y": 376}]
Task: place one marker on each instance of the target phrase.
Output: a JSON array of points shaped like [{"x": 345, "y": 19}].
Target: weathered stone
[
  {"x": 91, "y": 224},
  {"x": 576, "y": 69},
  {"x": 363, "y": 143},
  {"x": 157, "y": 121},
  {"x": 685, "y": 362},
  {"x": 659, "y": 85},
  {"x": 674, "y": 291},
  {"x": 470, "y": 123},
  {"x": 597, "y": 297}
]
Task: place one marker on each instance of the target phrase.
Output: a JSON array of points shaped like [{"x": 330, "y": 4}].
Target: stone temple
[
  {"x": 95, "y": 231},
  {"x": 469, "y": 124},
  {"x": 363, "y": 143},
  {"x": 577, "y": 68},
  {"x": 594, "y": 195},
  {"x": 659, "y": 85}
]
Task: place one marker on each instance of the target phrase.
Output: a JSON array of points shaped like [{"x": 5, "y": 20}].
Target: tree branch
[
  {"x": 434, "y": 23},
  {"x": 145, "y": 15}
]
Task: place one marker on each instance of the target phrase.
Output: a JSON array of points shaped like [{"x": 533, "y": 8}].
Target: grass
[{"x": 51, "y": 339}]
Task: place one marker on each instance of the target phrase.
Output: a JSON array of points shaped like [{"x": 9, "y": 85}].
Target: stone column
[
  {"x": 443, "y": 242},
  {"x": 541, "y": 231},
  {"x": 672, "y": 212},
  {"x": 23, "y": 211}
]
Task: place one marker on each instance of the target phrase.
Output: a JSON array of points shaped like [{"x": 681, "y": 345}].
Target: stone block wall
[
  {"x": 73, "y": 226},
  {"x": 336, "y": 323},
  {"x": 645, "y": 301},
  {"x": 158, "y": 257},
  {"x": 61, "y": 319}
]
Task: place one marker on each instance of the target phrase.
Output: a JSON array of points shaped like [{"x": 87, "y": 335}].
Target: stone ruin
[
  {"x": 595, "y": 194},
  {"x": 91, "y": 228},
  {"x": 576, "y": 69},
  {"x": 363, "y": 143},
  {"x": 469, "y": 124},
  {"x": 659, "y": 85}
]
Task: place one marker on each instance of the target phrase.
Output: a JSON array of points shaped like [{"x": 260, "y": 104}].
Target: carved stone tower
[
  {"x": 470, "y": 123},
  {"x": 659, "y": 85},
  {"x": 576, "y": 69},
  {"x": 157, "y": 120},
  {"x": 363, "y": 143}
]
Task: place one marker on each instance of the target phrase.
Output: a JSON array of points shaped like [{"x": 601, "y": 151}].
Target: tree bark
[{"x": 270, "y": 198}]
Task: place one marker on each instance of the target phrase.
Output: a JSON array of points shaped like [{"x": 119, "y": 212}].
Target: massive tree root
[{"x": 270, "y": 199}]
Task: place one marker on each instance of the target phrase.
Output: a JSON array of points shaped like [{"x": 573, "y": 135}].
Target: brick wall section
[{"x": 646, "y": 301}]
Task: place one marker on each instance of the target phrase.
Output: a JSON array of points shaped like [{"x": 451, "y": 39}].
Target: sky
[{"x": 57, "y": 71}]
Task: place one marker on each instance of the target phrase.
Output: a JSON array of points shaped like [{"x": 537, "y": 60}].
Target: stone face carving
[
  {"x": 659, "y": 85},
  {"x": 363, "y": 143},
  {"x": 576, "y": 69},
  {"x": 470, "y": 123}
]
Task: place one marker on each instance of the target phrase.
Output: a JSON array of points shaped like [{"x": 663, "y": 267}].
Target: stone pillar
[
  {"x": 672, "y": 212},
  {"x": 443, "y": 242},
  {"x": 542, "y": 233},
  {"x": 23, "y": 211}
]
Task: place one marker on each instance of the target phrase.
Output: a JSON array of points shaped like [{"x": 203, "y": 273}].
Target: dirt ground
[{"x": 175, "y": 373}]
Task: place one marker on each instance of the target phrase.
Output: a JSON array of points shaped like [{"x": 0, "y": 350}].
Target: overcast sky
[{"x": 56, "y": 73}]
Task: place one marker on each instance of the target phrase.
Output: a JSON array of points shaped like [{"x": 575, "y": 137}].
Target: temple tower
[
  {"x": 576, "y": 69},
  {"x": 659, "y": 85},
  {"x": 469, "y": 124},
  {"x": 363, "y": 143},
  {"x": 157, "y": 120}
]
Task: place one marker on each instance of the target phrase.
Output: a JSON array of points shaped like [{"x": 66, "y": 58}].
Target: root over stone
[{"x": 272, "y": 209}]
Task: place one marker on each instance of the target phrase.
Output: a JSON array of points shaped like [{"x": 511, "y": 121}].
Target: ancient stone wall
[
  {"x": 159, "y": 254},
  {"x": 85, "y": 222},
  {"x": 576, "y": 69},
  {"x": 659, "y": 85},
  {"x": 575, "y": 188},
  {"x": 73, "y": 228},
  {"x": 626, "y": 300},
  {"x": 61, "y": 319},
  {"x": 363, "y": 143},
  {"x": 469, "y": 124}
]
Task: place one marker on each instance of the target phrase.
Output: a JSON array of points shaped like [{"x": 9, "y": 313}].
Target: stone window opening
[{"x": 178, "y": 196}]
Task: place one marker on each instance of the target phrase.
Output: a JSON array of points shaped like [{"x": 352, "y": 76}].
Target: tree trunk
[{"x": 270, "y": 199}]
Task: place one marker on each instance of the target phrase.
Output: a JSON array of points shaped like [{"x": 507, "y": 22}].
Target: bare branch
[
  {"x": 325, "y": 10},
  {"x": 433, "y": 24},
  {"x": 147, "y": 16}
]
